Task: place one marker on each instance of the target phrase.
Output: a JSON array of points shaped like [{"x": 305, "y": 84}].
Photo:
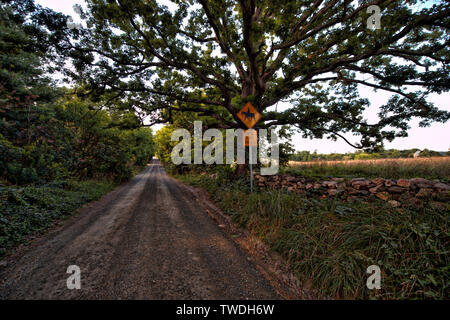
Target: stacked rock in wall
[{"x": 385, "y": 189}]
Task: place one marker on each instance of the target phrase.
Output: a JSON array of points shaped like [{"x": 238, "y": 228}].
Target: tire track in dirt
[{"x": 148, "y": 239}]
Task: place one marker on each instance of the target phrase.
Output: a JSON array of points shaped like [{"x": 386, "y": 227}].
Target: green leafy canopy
[{"x": 210, "y": 57}]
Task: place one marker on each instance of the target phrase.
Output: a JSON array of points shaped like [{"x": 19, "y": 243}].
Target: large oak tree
[{"x": 210, "y": 57}]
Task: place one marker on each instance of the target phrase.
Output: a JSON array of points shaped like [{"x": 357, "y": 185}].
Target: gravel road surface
[{"x": 148, "y": 239}]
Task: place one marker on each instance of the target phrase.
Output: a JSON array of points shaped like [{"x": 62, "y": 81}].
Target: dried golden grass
[
  {"x": 400, "y": 161},
  {"x": 431, "y": 168}
]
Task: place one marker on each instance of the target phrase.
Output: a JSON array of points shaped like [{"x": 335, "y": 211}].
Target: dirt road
[{"x": 147, "y": 239}]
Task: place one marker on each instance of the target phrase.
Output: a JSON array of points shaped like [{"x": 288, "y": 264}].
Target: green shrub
[{"x": 26, "y": 210}]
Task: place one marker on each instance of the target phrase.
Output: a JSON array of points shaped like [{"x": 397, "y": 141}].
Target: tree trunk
[{"x": 241, "y": 169}]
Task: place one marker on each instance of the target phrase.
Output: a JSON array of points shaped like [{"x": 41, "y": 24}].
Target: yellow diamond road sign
[{"x": 249, "y": 115}]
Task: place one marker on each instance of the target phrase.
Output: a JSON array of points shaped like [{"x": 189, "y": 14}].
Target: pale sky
[{"x": 436, "y": 137}]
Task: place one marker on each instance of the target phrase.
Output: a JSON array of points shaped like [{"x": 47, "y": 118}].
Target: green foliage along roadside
[
  {"x": 48, "y": 132},
  {"x": 330, "y": 242},
  {"x": 59, "y": 148},
  {"x": 73, "y": 140},
  {"x": 27, "y": 210}
]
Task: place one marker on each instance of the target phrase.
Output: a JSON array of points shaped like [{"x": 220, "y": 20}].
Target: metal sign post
[
  {"x": 251, "y": 168},
  {"x": 250, "y": 141}
]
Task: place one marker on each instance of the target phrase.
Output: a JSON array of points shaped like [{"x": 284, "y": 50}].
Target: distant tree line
[{"x": 361, "y": 155}]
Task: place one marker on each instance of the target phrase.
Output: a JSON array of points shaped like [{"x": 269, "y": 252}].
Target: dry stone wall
[{"x": 385, "y": 189}]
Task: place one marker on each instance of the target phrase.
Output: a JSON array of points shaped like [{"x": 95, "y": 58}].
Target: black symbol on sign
[{"x": 248, "y": 114}]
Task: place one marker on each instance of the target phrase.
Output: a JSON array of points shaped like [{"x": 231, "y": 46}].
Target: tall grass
[
  {"x": 330, "y": 243},
  {"x": 430, "y": 168}
]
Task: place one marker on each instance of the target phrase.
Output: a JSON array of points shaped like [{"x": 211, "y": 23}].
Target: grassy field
[
  {"x": 31, "y": 209},
  {"x": 428, "y": 168},
  {"x": 329, "y": 243}
]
